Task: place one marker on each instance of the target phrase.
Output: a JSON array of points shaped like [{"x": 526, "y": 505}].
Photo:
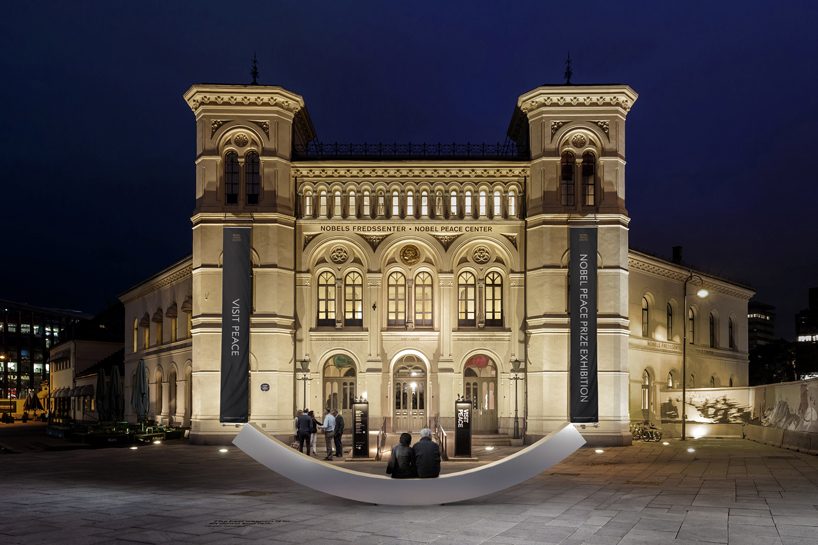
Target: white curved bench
[{"x": 384, "y": 490}]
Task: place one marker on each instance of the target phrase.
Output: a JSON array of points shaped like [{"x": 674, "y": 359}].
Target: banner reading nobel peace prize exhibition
[
  {"x": 583, "y": 306},
  {"x": 236, "y": 300}
]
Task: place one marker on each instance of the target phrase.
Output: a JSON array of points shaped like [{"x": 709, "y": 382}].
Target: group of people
[
  {"x": 421, "y": 460},
  {"x": 307, "y": 427}
]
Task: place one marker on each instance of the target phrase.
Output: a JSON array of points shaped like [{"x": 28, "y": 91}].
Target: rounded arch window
[
  {"x": 252, "y": 176},
  {"x": 494, "y": 299},
  {"x": 231, "y": 177},
  {"x": 567, "y": 167},
  {"x": 353, "y": 299},
  {"x": 326, "y": 299},
  {"x": 339, "y": 384},
  {"x": 396, "y": 299},
  {"x": 588, "y": 179},
  {"x": 466, "y": 299},
  {"x": 424, "y": 299},
  {"x": 645, "y": 317}
]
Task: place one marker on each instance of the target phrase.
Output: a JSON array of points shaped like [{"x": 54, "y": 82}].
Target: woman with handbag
[{"x": 402, "y": 460}]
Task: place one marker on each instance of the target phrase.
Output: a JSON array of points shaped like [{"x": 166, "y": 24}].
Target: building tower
[
  {"x": 245, "y": 135},
  {"x": 576, "y": 134}
]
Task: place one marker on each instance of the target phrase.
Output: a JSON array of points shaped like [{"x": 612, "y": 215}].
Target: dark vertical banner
[
  {"x": 236, "y": 307},
  {"x": 583, "y": 310}
]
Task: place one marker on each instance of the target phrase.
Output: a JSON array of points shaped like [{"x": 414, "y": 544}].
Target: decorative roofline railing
[{"x": 505, "y": 151}]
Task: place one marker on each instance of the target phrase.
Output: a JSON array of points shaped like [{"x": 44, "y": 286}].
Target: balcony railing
[{"x": 506, "y": 151}]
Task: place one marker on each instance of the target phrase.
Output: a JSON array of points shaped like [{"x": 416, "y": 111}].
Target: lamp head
[
  {"x": 702, "y": 293},
  {"x": 516, "y": 365}
]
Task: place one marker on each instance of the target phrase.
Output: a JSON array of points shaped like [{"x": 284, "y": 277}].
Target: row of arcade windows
[
  {"x": 143, "y": 337},
  {"x": 479, "y": 204},
  {"x": 416, "y": 294},
  {"x": 236, "y": 174},
  {"x": 585, "y": 170},
  {"x": 713, "y": 326}
]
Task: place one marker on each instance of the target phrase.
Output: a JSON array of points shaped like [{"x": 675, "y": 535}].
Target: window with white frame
[
  {"x": 494, "y": 299},
  {"x": 410, "y": 204},
  {"x": 466, "y": 299},
  {"x": 423, "y": 299},
  {"x": 326, "y": 299},
  {"x": 353, "y": 299},
  {"x": 396, "y": 299}
]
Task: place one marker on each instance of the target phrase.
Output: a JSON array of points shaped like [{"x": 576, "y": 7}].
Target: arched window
[
  {"x": 381, "y": 205},
  {"x": 691, "y": 326},
  {"x": 713, "y": 335},
  {"x": 567, "y": 179},
  {"x": 731, "y": 334},
  {"x": 645, "y": 391},
  {"x": 439, "y": 204},
  {"x": 158, "y": 404},
  {"x": 395, "y": 204},
  {"x": 713, "y": 381},
  {"x": 367, "y": 206},
  {"x": 424, "y": 204},
  {"x": 466, "y": 299},
  {"x": 512, "y": 204},
  {"x": 174, "y": 325},
  {"x": 308, "y": 204},
  {"x": 497, "y": 203},
  {"x": 645, "y": 317},
  {"x": 158, "y": 327},
  {"x": 423, "y": 299},
  {"x": 136, "y": 334},
  {"x": 670, "y": 381},
  {"x": 467, "y": 205},
  {"x": 396, "y": 299},
  {"x": 326, "y": 299},
  {"x": 352, "y": 206},
  {"x": 322, "y": 204},
  {"x": 731, "y": 382},
  {"x": 494, "y": 299},
  {"x": 337, "y": 205},
  {"x": 482, "y": 204},
  {"x": 691, "y": 383},
  {"x": 588, "y": 179},
  {"x": 410, "y": 204},
  {"x": 353, "y": 299},
  {"x": 231, "y": 178},
  {"x": 669, "y": 322},
  {"x": 146, "y": 334},
  {"x": 453, "y": 204},
  {"x": 252, "y": 177}
]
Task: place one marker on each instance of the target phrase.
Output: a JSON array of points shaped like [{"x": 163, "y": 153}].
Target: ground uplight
[
  {"x": 599, "y": 451},
  {"x": 222, "y": 450},
  {"x": 157, "y": 442},
  {"x": 665, "y": 443},
  {"x": 134, "y": 448},
  {"x": 691, "y": 449},
  {"x": 489, "y": 448}
]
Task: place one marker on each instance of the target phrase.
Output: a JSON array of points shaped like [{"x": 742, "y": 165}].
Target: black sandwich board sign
[
  {"x": 360, "y": 429},
  {"x": 462, "y": 428}
]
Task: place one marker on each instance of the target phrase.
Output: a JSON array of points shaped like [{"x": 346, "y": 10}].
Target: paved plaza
[{"x": 727, "y": 491}]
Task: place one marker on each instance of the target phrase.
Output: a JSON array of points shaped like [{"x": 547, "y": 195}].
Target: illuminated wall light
[
  {"x": 698, "y": 431},
  {"x": 599, "y": 451},
  {"x": 691, "y": 449}
]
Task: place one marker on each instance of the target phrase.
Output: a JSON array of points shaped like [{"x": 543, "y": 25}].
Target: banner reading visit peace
[
  {"x": 236, "y": 294},
  {"x": 582, "y": 307}
]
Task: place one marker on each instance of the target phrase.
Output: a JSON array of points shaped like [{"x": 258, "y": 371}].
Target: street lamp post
[
  {"x": 701, "y": 293},
  {"x": 305, "y": 377},
  {"x": 516, "y": 368}
]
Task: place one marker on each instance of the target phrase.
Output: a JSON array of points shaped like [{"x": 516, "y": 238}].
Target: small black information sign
[
  {"x": 462, "y": 429},
  {"x": 360, "y": 429}
]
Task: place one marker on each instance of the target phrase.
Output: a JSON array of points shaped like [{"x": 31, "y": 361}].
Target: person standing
[
  {"x": 303, "y": 431},
  {"x": 339, "y": 431},
  {"x": 313, "y": 432},
  {"x": 427, "y": 455},
  {"x": 329, "y": 432},
  {"x": 402, "y": 460}
]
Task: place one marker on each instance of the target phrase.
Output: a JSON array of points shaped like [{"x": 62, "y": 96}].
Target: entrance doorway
[
  {"x": 340, "y": 383},
  {"x": 480, "y": 386},
  {"x": 410, "y": 394}
]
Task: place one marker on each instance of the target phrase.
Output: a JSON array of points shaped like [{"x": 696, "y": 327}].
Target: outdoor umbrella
[
  {"x": 140, "y": 394},
  {"x": 103, "y": 410},
  {"x": 115, "y": 395}
]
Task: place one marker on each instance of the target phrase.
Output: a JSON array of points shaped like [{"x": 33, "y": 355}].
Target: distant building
[
  {"x": 27, "y": 333},
  {"x": 760, "y": 323},
  {"x": 806, "y": 336}
]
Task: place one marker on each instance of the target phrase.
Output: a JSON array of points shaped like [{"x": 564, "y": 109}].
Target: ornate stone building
[{"x": 413, "y": 275}]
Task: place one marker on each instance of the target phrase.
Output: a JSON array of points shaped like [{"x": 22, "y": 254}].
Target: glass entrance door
[
  {"x": 340, "y": 387},
  {"x": 480, "y": 386},
  {"x": 409, "y": 395}
]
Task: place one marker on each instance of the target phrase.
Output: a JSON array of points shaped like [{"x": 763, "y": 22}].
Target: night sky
[{"x": 98, "y": 146}]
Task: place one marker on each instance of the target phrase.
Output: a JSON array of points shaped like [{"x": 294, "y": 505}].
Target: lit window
[
  {"x": 352, "y": 208},
  {"x": 395, "y": 205},
  {"x": 308, "y": 204},
  {"x": 136, "y": 335},
  {"x": 494, "y": 299},
  {"x": 453, "y": 204},
  {"x": 337, "y": 205},
  {"x": 410, "y": 204},
  {"x": 251, "y": 177},
  {"x": 231, "y": 178},
  {"x": 424, "y": 204},
  {"x": 467, "y": 205},
  {"x": 439, "y": 204},
  {"x": 589, "y": 179},
  {"x": 670, "y": 380},
  {"x": 367, "y": 206},
  {"x": 326, "y": 299},
  {"x": 381, "y": 211},
  {"x": 466, "y": 299},
  {"x": 731, "y": 334},
  {"x": 567, "y": 178},
  {"x": 691, "y": 326},
  {"x": 498, "y": 205},
  {"x": 322, "y": 204},
  {"x": 173, "y": 329},
  {"x": 713, "y": 332},
  {"x": 512, "y": 203},
  {"x": 645, "y": 317},
  {"x": 353, "y": 298},
  {"x": 482, "y": 203},
  {"x": 396, "y": 299},
  {"x": 25, "y": 329},
  {"x": 423, "y": 299},
  {"x": 669, "y": 322},
  {"x": 158, "y": 337}
]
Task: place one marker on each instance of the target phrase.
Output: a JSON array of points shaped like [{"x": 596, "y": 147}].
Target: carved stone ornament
[
  {"x": 555, "y": 126},
  {"x": 263, "y": 125},
  {"x": 445, "y": 240},
  {"x": 339, "y": 255},
  {"x": 481, "y": 255},
  {"x": 603, "y": 125},
  {"x": 373, "y": 240},
  {"x": 241, "y": 140},
  {"x": 410, "y": 254},
  {"x": 579, "y": 141},
  {"x": 511, "y": 238},
  {"x": 215, "y": 124}
]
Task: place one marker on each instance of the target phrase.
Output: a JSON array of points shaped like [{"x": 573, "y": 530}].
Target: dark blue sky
[{"x": 97, "y": 144}]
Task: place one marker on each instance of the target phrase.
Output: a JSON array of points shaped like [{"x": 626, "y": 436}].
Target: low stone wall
[{"x": 801, "y": 441}]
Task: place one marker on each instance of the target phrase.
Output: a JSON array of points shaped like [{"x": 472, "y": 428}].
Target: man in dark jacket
[
  {"x": 402, "y": 461},
  {"x": 339, "y": 430},
  {"x": 303, "y": 429},
  {"x": 427, "y": 455}
]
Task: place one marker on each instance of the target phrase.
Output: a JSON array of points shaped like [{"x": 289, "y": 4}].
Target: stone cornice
[
  {"x": 567, "y": 96},
  {"x": 200, "y": 95},
  {"x": 178, "y": 272},
  {"x": 664, "y": 269},
  {"x": 424, "y": 172}
]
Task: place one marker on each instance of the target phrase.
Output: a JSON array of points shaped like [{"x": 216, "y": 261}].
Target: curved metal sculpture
[{"x": 380, "y": 489}]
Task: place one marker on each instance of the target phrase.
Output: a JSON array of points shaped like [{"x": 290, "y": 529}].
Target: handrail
[
  {"x": 381, "y": 441},
  {"x": 443, "y": 441}
]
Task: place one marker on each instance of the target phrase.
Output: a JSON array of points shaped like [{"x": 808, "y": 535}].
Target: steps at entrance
[{"x": 491, "y": 440}]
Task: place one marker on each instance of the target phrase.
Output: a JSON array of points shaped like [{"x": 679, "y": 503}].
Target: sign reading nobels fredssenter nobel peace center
[{"x": 411, "y": 276}]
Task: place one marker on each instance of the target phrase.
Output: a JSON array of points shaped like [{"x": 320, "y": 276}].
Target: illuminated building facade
[{"x": 412, "y": 275}]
